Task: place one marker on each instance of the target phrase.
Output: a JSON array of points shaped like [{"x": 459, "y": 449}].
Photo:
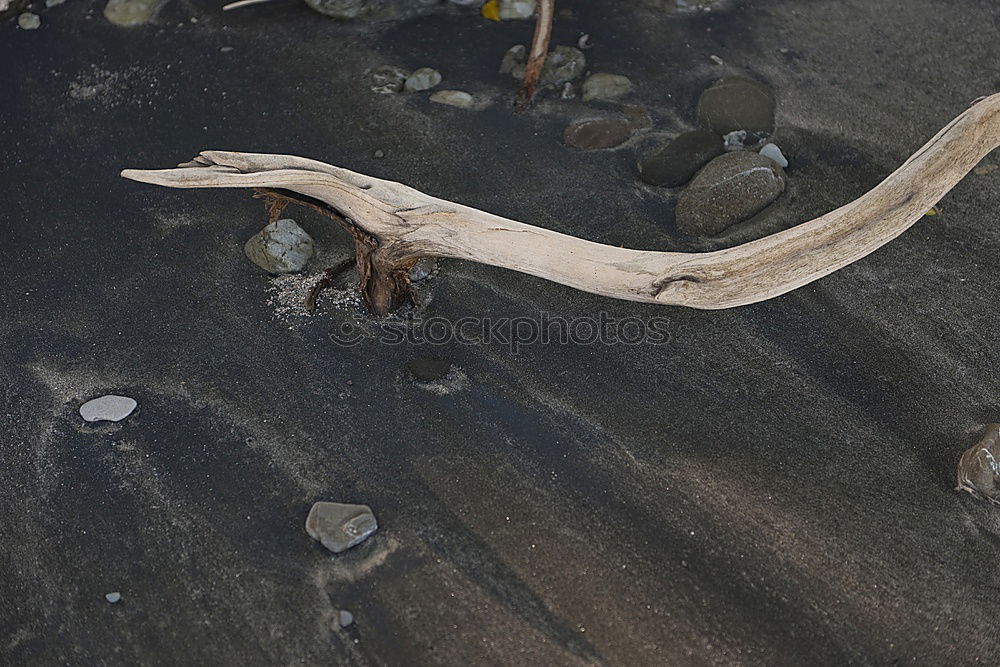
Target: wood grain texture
[{"x": 409, "y": 223}]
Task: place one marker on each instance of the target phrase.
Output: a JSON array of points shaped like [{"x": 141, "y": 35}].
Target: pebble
[
  {"x": 340, "y": 526},
  {"x": 225, "y": 49},
  {"x": 339, "y": 9},
  {"x": 564, "y": 63},
  {"x": 978, "y": 470},
  {"x": 737, "y": 103},
  {"x": 53, "y": 3},
  {"x": 378, "y": 154},
  {"x": 516, "y": 56},
  {"x": 113, "y": 597},
  {"x": 735, "y": 140},
  {"x": 428, "y": 369},
  {"x": 131, "y": 12},
  {"x": 675, "y": 163},
  {"x": 371, "y": 10},
  {"x": 597, "y": 134},
  {"x": 345, "y": 618},
  {"x": 516, "y": 9},
  {"x": 773, "y": 152},
  {"x": 280, "y": 247},
  {"x": 424, "y": 78},
  {"x": 29, "y": 21},
  {"x": 422, "y": 269},
  {"x": 387, "y": 79},
  {"x": 108, "y": 408},
  {"x": 603, "y": 86},
  {"x": 453, "y": 98},
  {"x": 728, "y": 190}
]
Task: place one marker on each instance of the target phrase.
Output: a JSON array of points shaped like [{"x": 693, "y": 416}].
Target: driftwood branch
[{"x": 394, "y": 224}]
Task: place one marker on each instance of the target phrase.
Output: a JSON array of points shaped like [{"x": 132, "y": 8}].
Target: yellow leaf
[
  {"x": 933, "y": 211},
  {"x": 491, "y": 11}
]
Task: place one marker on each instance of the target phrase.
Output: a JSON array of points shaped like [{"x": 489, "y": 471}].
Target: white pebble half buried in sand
[{"x": 108, "y": 408}]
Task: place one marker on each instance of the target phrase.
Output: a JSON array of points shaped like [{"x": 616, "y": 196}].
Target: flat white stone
[
  {"x": 453, "y": 98},
  {"x": 108, "y": 408},
  {"x": 280, "y": 247},
  {"x": 773, "y": 152},
  {"x": 340, "y": 526},
  {"x": 29, "y": 21}
]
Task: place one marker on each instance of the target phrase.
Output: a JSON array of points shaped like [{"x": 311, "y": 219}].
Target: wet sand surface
[{"x": 773, "y": 485}]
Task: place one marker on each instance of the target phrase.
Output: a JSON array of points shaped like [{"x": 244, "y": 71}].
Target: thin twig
[{"x": 536, "y": 58}]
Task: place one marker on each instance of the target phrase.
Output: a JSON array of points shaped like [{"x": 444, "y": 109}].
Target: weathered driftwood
[{"x": 394, "y": 225}]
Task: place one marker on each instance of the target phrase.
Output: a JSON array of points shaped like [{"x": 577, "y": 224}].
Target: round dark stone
[
  {"x": 675, "y": 163},
  {"x": 737, "y": 103},
  {"x": 595, "y": 134},
  {"x": 428, "y": 369},
  {"x": 730, "y": 189}
]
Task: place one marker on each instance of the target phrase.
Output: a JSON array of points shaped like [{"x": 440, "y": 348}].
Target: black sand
[{"x": 772, "y": 486}]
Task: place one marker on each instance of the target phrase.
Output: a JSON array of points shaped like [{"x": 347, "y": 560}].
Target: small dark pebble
[
  {"x": 596, "y": 134},
  {"x": 737, "y": 103},
  {"x": 675, "y": 163},
  {"x": 428, "y": 369}
]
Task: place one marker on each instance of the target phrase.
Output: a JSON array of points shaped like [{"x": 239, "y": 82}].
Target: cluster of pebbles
[{"x": 731, "y": 172}]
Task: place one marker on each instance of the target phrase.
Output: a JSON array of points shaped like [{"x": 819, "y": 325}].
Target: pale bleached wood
[{"x": 408, "y": 223}]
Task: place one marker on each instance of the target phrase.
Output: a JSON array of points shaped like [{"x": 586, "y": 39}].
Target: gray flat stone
[
  {"x": 29, "y": 21},
  {"x": 280, "y": 247},
  {"x": 453, "y": 98},
  {"x": 675, "y": 163},
  {"x": 979, "y": 467},
  {"x": 129, "y": 13},
  {"x": 422, "y": 269},
  {"x": 424, "y": 78},
  {"x": 603, "y": 86},
  {"x": 737, "y": 103},
  {"x": 340, "y": 526},
  {"x": 113, "y": 598},
  {"x": 731, "y": 188},
  {"x": 110, "y": 408},
  {"x": 387, "y": 79}
]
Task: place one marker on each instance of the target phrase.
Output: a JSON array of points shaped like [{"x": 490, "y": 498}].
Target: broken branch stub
[
  {"x": 393, "y": 225},
  {"x": 536, "y": 57}
]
